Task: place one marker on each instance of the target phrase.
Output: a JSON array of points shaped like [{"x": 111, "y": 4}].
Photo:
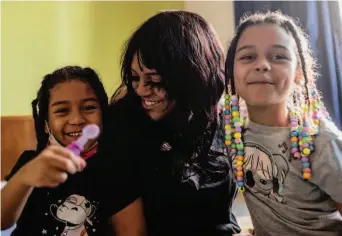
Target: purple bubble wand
[{"x": 88, "y": 132}]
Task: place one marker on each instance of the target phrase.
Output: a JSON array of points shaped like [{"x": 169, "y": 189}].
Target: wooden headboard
[{"x": 17, "y": 135}]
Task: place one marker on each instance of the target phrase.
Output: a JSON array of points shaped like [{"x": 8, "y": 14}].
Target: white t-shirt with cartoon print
[{"x": 280, "y": 201}]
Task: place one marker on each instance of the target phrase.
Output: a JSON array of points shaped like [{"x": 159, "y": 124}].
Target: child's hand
[{"x": 51, "y": 167}]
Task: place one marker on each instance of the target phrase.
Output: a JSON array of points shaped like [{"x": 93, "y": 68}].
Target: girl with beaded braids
[{"x": 286, "y": 151}]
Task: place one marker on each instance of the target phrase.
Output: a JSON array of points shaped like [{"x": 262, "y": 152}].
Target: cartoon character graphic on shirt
[
  {"x": 74, "y": 212},
  {"x": 265, "y": 172}
]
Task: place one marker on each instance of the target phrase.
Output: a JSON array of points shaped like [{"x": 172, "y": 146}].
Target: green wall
[{"x": 38, "y": 37}]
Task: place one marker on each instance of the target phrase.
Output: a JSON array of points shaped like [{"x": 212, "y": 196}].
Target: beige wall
[{"x": 219, "y": 13}]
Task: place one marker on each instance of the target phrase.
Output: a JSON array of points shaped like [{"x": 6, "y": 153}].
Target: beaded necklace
[{"x": 301, "y": 140}]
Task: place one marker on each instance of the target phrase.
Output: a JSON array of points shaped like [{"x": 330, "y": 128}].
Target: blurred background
[{"x": 39, "y": 37}]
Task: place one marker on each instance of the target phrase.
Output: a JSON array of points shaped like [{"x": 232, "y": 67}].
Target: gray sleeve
[{"x": 327, "y": 169}]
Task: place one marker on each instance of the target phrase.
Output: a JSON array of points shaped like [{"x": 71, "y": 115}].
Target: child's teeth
[{"x": 150, "y": 103}]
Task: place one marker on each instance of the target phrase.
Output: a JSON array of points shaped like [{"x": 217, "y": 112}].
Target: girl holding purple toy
[{"x": 58, "y": 188}]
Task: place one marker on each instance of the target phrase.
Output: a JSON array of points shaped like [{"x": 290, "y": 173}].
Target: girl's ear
[
  {"x": 299, "y": 76},
  {"x": 47, "y": 130}
]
